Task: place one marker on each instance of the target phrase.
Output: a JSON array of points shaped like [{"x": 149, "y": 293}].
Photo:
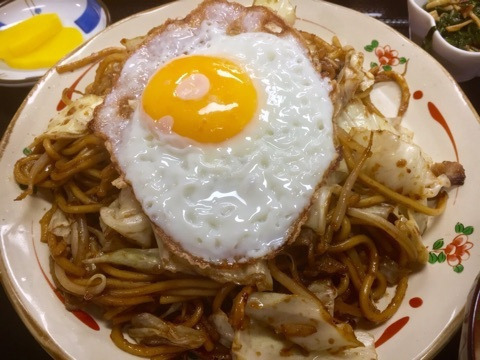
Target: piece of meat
[{"x": 452, "y": 169}]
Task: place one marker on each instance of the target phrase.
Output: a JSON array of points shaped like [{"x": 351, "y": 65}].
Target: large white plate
[{"x": 442, "y": 290}]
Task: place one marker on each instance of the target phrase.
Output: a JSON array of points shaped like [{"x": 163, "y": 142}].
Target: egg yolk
[{"x": 204, "y": 98}]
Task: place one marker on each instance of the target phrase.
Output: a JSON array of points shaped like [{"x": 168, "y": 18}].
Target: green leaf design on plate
[
  {"x": 387, "y": 67},
  {"x": 468, "y": 230},
  {"x": 432, "y": 258},
  {"x": 373, "y": 64},
  {"x": 442, "y": 257},
  {"x": 372, "y": 46},
  {"x": 437, "y": 245},
  {"x": 459, "y": 228},
  {"x": 402, "y": 60},
  {"x": 27, "y": 151},
  {"x": 458, "y": 269}
]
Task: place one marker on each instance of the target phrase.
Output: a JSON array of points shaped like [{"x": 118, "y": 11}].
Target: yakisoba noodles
[{"x": 362, "y": 238}]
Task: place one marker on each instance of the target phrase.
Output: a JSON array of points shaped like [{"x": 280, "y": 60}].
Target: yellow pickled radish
[
  {"x": 50, "y": 52},
  {"x": 38, "y": 42},
  {"x": 28, "y": 35}
]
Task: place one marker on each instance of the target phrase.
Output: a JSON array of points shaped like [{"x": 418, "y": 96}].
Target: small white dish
[
  {"x": 463, "y": 65},
  {"x": 470, "y": 340},
  {"x": 88, "y": 16}
]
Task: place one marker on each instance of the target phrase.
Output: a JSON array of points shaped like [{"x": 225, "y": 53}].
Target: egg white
[{"x": 236, "y": 200}]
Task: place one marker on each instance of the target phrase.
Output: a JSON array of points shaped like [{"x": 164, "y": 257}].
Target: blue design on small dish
[{"x": 90, "y": 17}]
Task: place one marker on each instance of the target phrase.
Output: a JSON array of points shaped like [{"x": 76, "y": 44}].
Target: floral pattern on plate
[
  {"x": 387, "y": 57},
  {"x": 457, "y": 251}
]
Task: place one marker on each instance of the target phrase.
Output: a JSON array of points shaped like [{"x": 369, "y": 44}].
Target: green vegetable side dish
[{"x": 458, "y": 21}]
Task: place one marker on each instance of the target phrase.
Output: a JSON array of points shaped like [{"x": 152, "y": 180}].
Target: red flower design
[
  {"x": 387, "y": 56},
  {"x": 457, "y": 250}
]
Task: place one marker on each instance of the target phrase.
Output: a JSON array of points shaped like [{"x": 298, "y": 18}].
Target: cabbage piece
[
  {"x": 421, "y": 220},
  {"x": 351, "y": 77},
  {"x": 317, "y": 214},
  {"x": 301, "y": 321},
  {"x": 72, "y": 121},
  {"x": 259, "y": 342},
  {"x": 172, "y": 263},
  {"x": 146, "y": 260},
  {"x": 256, "y": 273},
  {"x": 412, "y": 232},
  {"x": 282, "y": 8},
  {"x": 60, "y": 224},
  {"x": 220, "y": 321},
  {"x": 406, "y": 231},
  {"x": 160, "y": 260},
  {"x": 366, "y": 352},
  {"x": 400, "y": 164},
  {"x": 125, "y": 216},
  {"x": 325, "y": 292},
  {"x": 149, "y": 328},
  {"x": 396, "y": 161},
  {"x": 356, "y": 115},
  {"x": 383, "y": 210}
]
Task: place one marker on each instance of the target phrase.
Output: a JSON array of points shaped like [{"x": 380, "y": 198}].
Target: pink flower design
[
  {"x": 457, "y": 250},
  {"x": 387, "y": 56}
]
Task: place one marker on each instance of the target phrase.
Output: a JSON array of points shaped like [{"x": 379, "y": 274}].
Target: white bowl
[
  {"x": 470, "y": 340},
  {"x": 88, "y": 16},
  {"x": 463, "y": 65}
]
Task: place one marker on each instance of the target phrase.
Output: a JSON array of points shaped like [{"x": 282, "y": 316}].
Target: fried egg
[{"x": 223, "y": 128}]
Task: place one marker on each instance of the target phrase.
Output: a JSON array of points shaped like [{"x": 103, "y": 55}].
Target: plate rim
[{"x": 41, "y": 336}]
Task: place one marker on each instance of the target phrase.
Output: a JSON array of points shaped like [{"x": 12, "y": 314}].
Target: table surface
[{"x": 16, "y": 341}]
